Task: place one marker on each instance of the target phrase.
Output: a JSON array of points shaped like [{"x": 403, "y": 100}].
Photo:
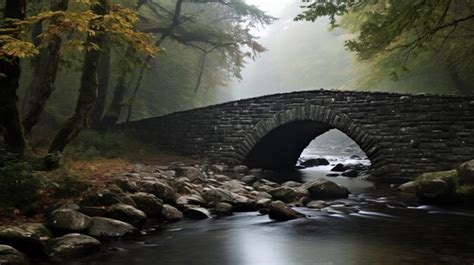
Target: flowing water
[{"x": 375, "y": 225}]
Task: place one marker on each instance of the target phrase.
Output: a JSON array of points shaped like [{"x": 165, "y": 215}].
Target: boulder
[
  {"x": 219, "y": 177},
  {"x": 234, "y": 185},
  {"x": 104, "y": 198},
  {"x": 11, "y": 256},
  {"x": 243, "y": 204},
  {"x": 29, "y": 238},
  {"x": 435, "y": 191},
  {"x": 218, "y": 195},
  {"x": 182, "y": 185},
  {"x": 292, "y": 184},
  {"x": 170, "y": 213},
  {"x": 72, "y": 245},
  {"x": 466, "y": 172},
  {"x": 248, "y": 179},
  {"x": 324, "y": 189},
  {"x": 148, "y": 203},
  {"x": 127, "y": 213},
  {"x": 197, "y": 213},
  {"x": 263, "y": 195},
  {"x": 223, "y": 208},
  {"x": 241, "y": 169},
  {"x": 314, "y": 162},
  {"x": 332, "y": 174},
  {"x": 316, "y": 204},
  {"x": 408, "y": 187},
  {"x": 159, "y": 188},
  {"x": 339, "y": 168},
  {"x": 278, "y": 210},
  {"x": 263, "y": 203},
  {"x": 287, "y": 194},
  {"x": 264, "y": 185},
  {"x": 127, "y": 184},
  {"x": 106, "y": 227},
  {"x": 191, "y": 173},
  {"x": 350, "y": 173},
  {"x": 68, "y": 221},
  {"x": 220, "y": 168},
  {"x": 192, "y": 199},
  {"x": 93, "y": 210}
]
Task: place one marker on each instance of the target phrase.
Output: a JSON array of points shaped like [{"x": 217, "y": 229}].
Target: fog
[{"x": 300, "y": 56}]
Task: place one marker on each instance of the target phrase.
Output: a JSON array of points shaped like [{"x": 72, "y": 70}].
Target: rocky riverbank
[{"x": 157, "y": 194}]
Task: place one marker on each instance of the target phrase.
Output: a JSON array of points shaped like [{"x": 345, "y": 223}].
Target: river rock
[
  {"x": 28, "y": 238},
  {"x": 106, "y": 227},
  {"x": 350, "y": 173},
  {"x": 127, "y": 184},
  {"x": 314, "y": 162},
  {"x": 243, "y": 204},
  {"x": 11, "y": 256},
  {"x": 148, "y": 203},
  {"x": 434, "y": 191},
  {"x": 242, "y": 169},
  {"x": 68, "y": 221},
  {"x": 234, "y": 185},
  {"x": 223, "y": 208},
  {"x": 466, "y": 172},
  {"x": 218, "y": 195},
  {"x": 182, "y": 185},
  {"x": 263, "y": 195},
  {"x": 339, "y": 168},
  {"x": 72, "y": 245},
  {"x": 316, "y": 204},
  {"x": 324, "y": 189},
  {"x": 197, "y": 213},
  {"x": 93, "y": 210},
  {"x": 104, "y": 198},
  {"x": 164, "y": 192},
  {"x": 170, "y": 213},
  {"x": 248, "y": 179},
  {"x": 287, "y": 194},
  {"x": 220, "y": 168},
  {"x": 192, "y": 173},
  {"x": 127, "y": 213},
  {"x": 264, "y": 185},
  {"x": 192, "y": 199},
  {"x": 292, "y": 184},
  {"x": 408, "y": 187},
  {"x": 221, "y": 178},
  {"x": 278, "y": 210}
]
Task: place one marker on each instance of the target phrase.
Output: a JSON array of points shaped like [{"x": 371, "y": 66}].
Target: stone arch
[{"x": 320, "y": 118}]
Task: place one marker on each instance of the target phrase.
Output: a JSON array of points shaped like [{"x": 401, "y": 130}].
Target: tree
[
  {"x": 10, "y": 71},
  {"x": 407, "y": 28}
]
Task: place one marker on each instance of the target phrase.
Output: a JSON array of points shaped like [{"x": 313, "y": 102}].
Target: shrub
[{"x": 64, "y": 184}]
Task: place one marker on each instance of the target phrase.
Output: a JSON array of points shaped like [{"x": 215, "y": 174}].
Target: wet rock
[
  {"x": 106, "y": 227},
  {"x": 249, "y": 179},
  {"x": 314, "y": 162},
  {"x": 127, "y": 213},
  {"x": 223, "y": 208},
  {"x": 218, "y": 195},
  {"x": 350, "y": 173},
  {"x": 148, "y": 203},
  {"x": 436, "y": 191},
  {"x": 170, "y": 213},
  {"x": 264, "y": 185},
  {"x": 292, "y": 184},
  {"x": 263, "y": 203},
  {"x": 72, "y": 245},
  {"x": 182, "y": 185},
  {"x": 191, "y": 173},
  {"x": 243, "y": 204},
  {"x": 197, "y": 213},
  {"x": 192, "y": 199},
  {"x": 11, "y": 256},
  {"x": 278, "y": 210},
  {"x": 93, "y": 210},
  {"x": 324, "y": 189},
  {"x": 255, "y": 171},
  {"x": 287, "y": 194},
  {"x": 466, "y": 172},
  {"x": 316, "y": 204},
  {"x": 220, "y": 168},
  {"x": 68, "y": 221},
  {"x": 28, "y": 238},
  {"x": 158, "y": 188},
  {"x": 408, "y": 187},
  {"x": 332, "y": 175},
  {"x": 263, "y": 195},
  {"x": 234, "y": 185},
  {"x": 242, "y": 169},
  {"x": 339, "y": 168},
  {"x": 355, "y": 157},
  {"x": 104, "y": 198}
]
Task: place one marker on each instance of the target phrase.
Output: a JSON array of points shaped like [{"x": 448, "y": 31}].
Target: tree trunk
[
  {"x": 87, "y": 91},
  {"x": 104, "y": 78},
  {"x": 202, "y": 63},
  {"x": 113, "y": 113},
  {"x": 42, "y": 84},
  {"x": 10, "y": 72}
]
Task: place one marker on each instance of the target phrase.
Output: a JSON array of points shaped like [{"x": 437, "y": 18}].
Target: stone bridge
[{"x": 401, "y": 134}]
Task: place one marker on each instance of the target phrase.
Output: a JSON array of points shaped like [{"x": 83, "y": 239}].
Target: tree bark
[
  {"x": 202, "y": 63},
  {"x": 113, "y": 113},
  {"x": 10, "y": 72},
  {"x": 103, "y": 78},
  {"x": 42, "y": 84},
  {"x": 87, "y": 90}
]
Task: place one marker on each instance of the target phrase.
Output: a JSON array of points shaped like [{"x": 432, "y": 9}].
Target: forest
[{"x": 70, "y": 70}]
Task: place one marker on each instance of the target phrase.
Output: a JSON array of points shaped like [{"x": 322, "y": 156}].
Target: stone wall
[{"x": 402, "y": 135}]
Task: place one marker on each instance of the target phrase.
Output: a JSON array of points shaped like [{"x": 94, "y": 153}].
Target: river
[{"x": 375, "y": 225}]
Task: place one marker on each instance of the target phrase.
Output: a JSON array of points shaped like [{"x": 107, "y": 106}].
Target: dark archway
[{"x": 282, "y": 146}]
